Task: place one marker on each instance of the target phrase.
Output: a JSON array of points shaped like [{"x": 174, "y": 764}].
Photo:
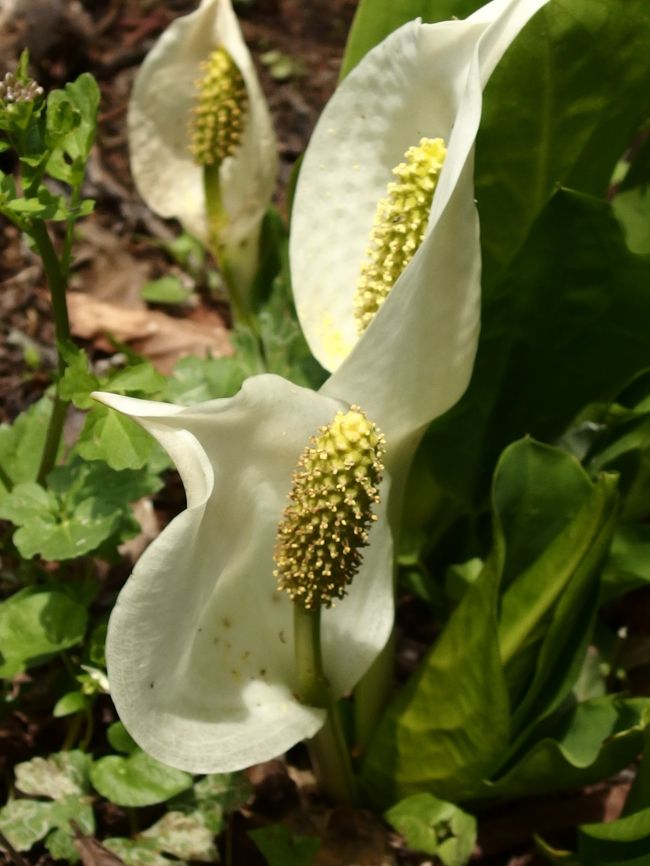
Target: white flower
[
  {"x": 200, "y": 643},
  {"x": 160, "y": 117},
  {"x": 424, "y": 81}
]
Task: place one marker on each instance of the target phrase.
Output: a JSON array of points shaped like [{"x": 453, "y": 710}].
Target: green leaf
[
  {"x": 628, "y": 565},
  {"x": 591, "y": 742},
  {"x": 25, "y": 822},
  {"x": 166, "y": 290},
  {"x": 77, "y": 381},
  {"x": 60, "y": 843},
  {"x": 195, "y": 380},
  {"x": 282, "y": 848},
  {"x": 137, "y": 780},
  {"x": 632, "y": 208},
  {"x": 555, "y": 855},
  {"x": 138, "y": 379},
  {"x": 119, "y": 441},
  {"x": 556, "y": 525},
  {"x": 565, "y": 327},
  {"x": 21, "y": 444},
  {"x": 571, "y": 92},
  {"x": 285, "y": 348},
  {"x": 620, "y": 841},
  {"x": 552, "y": 525},
  {"x": 434, "y": 737},
  {"x": 139, "y": 852},
  {"x": 79, "y": 481},
  {"x": 120, "y": 739},
  {"x": 58, "y": 776},
  {"x": 638, "y": 797},
  {"x": 623, "y": 445},
  {"x": 43, "y": 206},
  {"x": 229, "y": 790},
  {"x": 186, "y": 836},
  {"x": 214, "y": 797},
  {"x": 52, "y": 532},
  {"x": 36, "y": 625},
  {"x": 435, "y": 827},
  {"x": 69, "y": 704},
  {"x": 71, "y": 125},
  {"x": 85, "y": 504}
]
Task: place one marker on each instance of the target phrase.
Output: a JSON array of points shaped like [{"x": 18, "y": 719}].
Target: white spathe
[
  {"x": 424, "y": 80},
  {"x": 200, "y": 644},
  {"x": 200, "y": 647},
  {"x": 159, "y": 118}
]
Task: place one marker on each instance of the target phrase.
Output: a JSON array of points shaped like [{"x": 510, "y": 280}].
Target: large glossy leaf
[
  {"x": 449, "y": 726},
  {"x": 616, "y": 843},
  {"x": 561, "y": 108},
  {"x": 566, "y": 326},
  {"x": 556, "y": 526},
  {"x": 513, "y": 665},
  {"x": 628, "y": 564},
  {"x": 595, "y": 740}
]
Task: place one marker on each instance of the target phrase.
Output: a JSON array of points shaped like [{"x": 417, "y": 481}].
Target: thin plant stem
[
  {"x": 328, "y": 748},
  {"x": 73, "y": 731},
  {"x": 372, "y": 694},
  {"x": 58, "y": 285},
  {"x": 90, "y": 728},
  {"x": 237, "y": 292},
  {"x": 66, "y": 254}
]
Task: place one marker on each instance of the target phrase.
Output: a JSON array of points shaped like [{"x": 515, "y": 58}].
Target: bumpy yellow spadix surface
[
  {"x": 399, "y": 226},
  {"x": 219, "y": 117},
  {"x": 325, "y": 525}
]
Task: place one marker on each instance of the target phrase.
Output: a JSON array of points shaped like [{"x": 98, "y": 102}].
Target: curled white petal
[
  {"x": 163, "y": 97},
  {"x": 200, "y": 644},
  {"x": 425, "y": 80}
]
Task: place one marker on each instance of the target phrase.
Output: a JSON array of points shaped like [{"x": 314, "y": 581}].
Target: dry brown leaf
[
  {"x": 106, "y": 269},
  {"x": 161, "y": 338},
  {"x": 92, "y": 852}
]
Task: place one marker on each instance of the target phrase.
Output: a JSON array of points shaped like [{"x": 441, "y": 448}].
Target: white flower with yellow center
[
  {"x": 385, "y": 254},
  {"x": 196, "y": 105},
  {"x": 288, "y": 490},
  {"x": 200, "y": 645}
]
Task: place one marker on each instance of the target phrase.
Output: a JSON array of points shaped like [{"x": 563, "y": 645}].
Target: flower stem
[
  {"x": 237, "y": 283},
  {"x": 58, "y": 284},
  {"x": 328, "y": 748},
  {"x": 372, "y": 694}
]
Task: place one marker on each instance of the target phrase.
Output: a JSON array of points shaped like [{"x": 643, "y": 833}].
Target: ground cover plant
[{"x": 324, "y": 467}]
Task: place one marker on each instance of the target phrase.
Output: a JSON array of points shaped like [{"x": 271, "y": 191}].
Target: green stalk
[
  {"x": 58, "y": 285},
  {"x": 373, "y": 693},
  {"x": 328, "y": 748},
  {"x": 237, "y": 292}
]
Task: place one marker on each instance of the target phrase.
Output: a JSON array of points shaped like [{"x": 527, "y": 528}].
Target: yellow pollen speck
[
  {"x": 218, "y": 119},
  {"x": 325, "y": 525},
  {"x": 399, "y": 226}
]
